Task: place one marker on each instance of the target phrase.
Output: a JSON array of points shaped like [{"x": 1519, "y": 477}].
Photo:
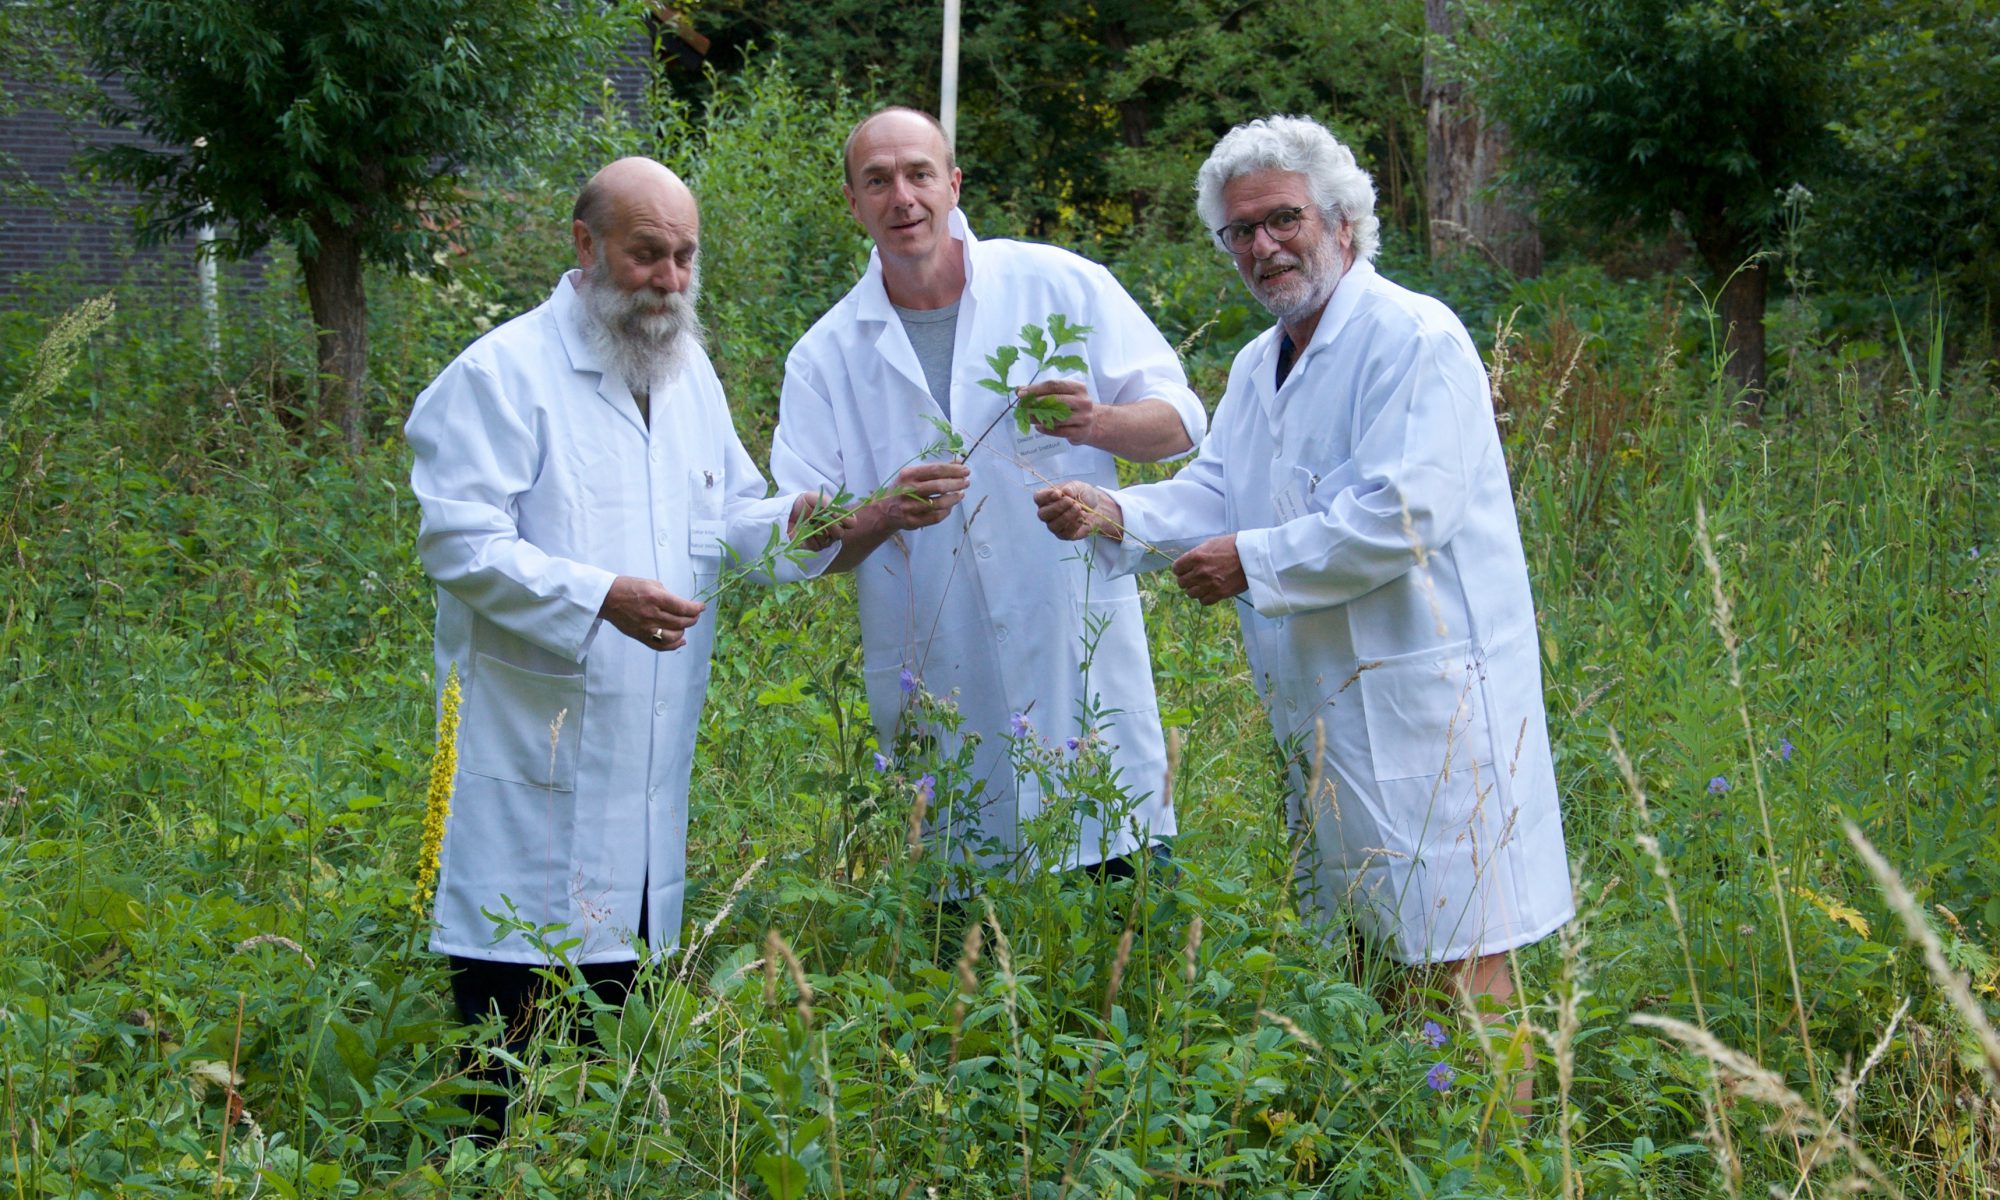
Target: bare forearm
[{"x": 1146, "y": 431}]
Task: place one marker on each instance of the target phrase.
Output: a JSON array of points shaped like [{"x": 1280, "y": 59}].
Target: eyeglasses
[{"x": 1282, "y": 225}]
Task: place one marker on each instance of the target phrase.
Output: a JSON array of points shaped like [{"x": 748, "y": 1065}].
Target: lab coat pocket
[
  {"x": 509, "y": 711},
  {"x": 1426, "y": 714},
  {"x": 706, "y": 529}
]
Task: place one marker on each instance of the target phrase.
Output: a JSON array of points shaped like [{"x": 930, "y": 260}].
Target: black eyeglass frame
[{"x": 1249, "y": 228}]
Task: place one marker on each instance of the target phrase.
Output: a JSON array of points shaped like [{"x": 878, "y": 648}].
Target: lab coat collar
[
  {"x": 872, "y": 294},
  {"x": 892, "y": 342},
  {"x": 567, "y": 306},
  {"x": 1339, "y": 308}
]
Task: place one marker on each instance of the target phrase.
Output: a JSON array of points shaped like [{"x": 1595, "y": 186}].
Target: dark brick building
[{"x": 57, "y": 223}]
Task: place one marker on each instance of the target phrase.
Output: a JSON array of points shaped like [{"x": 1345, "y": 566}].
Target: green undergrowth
[{"x": 215, "y": 713}]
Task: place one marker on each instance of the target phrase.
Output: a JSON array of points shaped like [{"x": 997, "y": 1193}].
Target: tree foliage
[
  {"x": 1922, "y": 84},
  {"x": 1092, "y": 118},
  {"x": 1692, "y": 114},
  {"x": 344, "y": 128}
]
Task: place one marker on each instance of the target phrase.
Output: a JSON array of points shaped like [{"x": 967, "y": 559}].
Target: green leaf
[
  {"x": 782, "y": 1174},
  {"x": 1002, "y": 361},
  {"x": 1036, "y": 344},
  {"x": 790, "y": 692}
]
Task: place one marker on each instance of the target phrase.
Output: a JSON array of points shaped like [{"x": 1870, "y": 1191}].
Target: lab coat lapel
[
  {"x": 1339, "y": 309},
  {"x": 583, "y": 356},
  {"x": 892, "y": 341}
]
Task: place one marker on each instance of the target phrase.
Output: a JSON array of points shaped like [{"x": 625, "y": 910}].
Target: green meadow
[{"x": 1765, "y": 646}]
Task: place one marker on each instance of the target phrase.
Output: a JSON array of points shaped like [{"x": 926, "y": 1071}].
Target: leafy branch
[{"x": 1044, "y": 349}]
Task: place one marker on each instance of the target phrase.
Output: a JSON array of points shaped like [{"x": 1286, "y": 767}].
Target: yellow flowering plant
[{"x": 437, "y": 797}]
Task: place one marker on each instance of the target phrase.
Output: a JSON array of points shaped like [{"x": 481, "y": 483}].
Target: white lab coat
[
  {"x": 539, "y": 484},
  {"x": 1388, "y": 602},
  {"x": 988, "y": 607}
]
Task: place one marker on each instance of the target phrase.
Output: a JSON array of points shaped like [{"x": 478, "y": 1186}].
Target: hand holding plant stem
[{"x": 1045, "y": 350}]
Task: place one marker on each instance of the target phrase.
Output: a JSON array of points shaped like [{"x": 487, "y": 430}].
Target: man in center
[{"x": 964, "y": 594}]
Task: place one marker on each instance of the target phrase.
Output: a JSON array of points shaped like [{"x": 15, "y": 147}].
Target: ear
[
  {"x": 853, "y": 208},
  {"x": 586, "y": 247},
  {"x": 957, "y": 177}
]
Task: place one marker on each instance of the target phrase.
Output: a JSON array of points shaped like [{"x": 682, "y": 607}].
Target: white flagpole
[{"x": 948, "y": 85}]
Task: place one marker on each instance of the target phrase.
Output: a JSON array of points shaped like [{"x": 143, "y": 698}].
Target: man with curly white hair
[{"x": 1352, "y": 498}]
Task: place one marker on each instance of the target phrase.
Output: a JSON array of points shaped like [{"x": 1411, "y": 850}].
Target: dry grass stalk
[
  {"x": 1291, "y": 1027},
  {"x": 1955, "y": 986},
  {"x": 274, "y": 939},
  {"x": 776, "y": 947},
  {"x": 1724, "y": 627},
  {"x": 968, "y": 985},
  {"x": 1718, "y": 1131},
  {"x": 1650, "y": 843},
  {"x": 1191, "y": 953},
  {"x": 913, "y": 839},
  {"x": 1003, "y": 953},
  {"x": 1850, "y": 1090},
  {"x": 1118, "y": 964},
  {"x": 1754, "y": 1081}
]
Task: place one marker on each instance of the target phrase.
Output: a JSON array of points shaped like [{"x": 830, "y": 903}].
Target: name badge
[
  {"x": 1290, "y": 502},
  {"x": 705, "y": 539},
  {"x": 1036, "y": 449}
]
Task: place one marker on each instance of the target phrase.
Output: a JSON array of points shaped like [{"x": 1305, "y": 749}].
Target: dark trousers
[{"x": 481, "y": 986}]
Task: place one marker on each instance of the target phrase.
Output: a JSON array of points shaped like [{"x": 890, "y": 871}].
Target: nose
[
  {"x": 671, "y": 276},
  {"x": 1262, "y": 244},
  {"x": 901, "y": 194}
]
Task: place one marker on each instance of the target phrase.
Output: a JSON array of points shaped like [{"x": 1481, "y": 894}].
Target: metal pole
[
  {"x": 211, "y": 309},
  {"x": 948, "y": 86}
]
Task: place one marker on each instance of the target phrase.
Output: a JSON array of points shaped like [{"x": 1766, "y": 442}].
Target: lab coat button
[
  {"x": 999, "y": 633},
  {"x": 660, "y": 709},
  {"x": 662, "y": 539},
  {"x": 653, "y": 454},
  {"x": 986, "y": 552}
]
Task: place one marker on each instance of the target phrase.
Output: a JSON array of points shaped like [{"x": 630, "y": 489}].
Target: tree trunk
[
  {"x": 1135, "y": 122},
  {"x": 1464, "y": 154},
  {"x": 1739, "y": 309},
  {"x": 340, "y": 313}
]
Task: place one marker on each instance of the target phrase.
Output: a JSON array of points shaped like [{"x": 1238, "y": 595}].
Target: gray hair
[{"x": 1341, "y": 189}]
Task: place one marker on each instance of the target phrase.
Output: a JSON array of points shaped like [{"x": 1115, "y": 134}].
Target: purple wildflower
[
  {"x": 907, "y": 681},
  {"x": 1784, "y": 748},
  {"x": 1717, "y": 786},
  {"x": 882, "y": 761},
  {"x": 1020, "y": 725},
  {"x": 1071, "y": 744},
  {"x": 926, "y": 787},
  {"x": 1440, "y": 1077},
  {"x": 1435, "y": 1035}
]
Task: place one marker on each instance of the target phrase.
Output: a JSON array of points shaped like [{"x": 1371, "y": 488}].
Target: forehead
[
  {"x": 896, "y": 138},
  {"x": 1254, "y": 194},
  {"x": 662, "y": 214}
]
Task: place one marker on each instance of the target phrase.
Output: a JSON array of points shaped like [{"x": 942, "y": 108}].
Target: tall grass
[{"x": 215, "y": 720}]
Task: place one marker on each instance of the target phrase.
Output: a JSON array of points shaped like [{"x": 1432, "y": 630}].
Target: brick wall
[
  {"x": 78, "y": 227},
  {"x": 81, "y": 230}
]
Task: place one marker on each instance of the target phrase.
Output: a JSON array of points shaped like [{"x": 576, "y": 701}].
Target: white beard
[
  {"x": 1307, "y": 290},
  {"x": 643, "y": 336}
]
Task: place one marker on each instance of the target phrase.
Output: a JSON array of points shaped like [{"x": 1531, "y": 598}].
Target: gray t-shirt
[{"x": 932, "y": 332}]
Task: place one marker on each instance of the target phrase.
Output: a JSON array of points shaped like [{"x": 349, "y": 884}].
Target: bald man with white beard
[{"x": 582, "y": 487}]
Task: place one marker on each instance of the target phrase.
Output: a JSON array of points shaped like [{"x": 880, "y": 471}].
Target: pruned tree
[
  {"x": 343, "y": 127},
  {"x": 1692, "y": 114}
]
